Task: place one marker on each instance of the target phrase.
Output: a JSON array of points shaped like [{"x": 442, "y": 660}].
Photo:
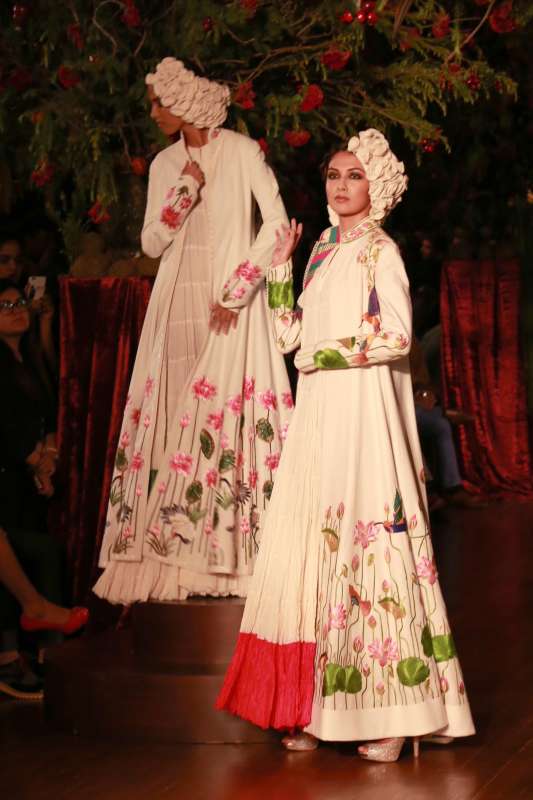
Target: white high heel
[
  {"x": 435, "y": 738},
  {"x": 387, "y": 749}
]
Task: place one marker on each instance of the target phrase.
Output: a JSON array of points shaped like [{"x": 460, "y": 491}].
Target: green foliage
[{"x": 90, "y": 132}]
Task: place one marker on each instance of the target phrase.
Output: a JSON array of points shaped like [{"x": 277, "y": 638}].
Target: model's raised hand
[
  {"x": 287, "y": 238},
  {"x": 193, "y": 168}
]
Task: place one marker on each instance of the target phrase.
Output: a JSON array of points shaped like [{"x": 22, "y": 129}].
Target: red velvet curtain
[
  {"x": 101, "y": 322},
  {"x": 483, "y": 374}
]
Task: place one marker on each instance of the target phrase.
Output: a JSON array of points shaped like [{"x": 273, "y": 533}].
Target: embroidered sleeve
[
  {"x": 166, "y": 210},
  {"x": 384, "y": 332},
  {"x": 249, "y": 275},
  {"x": 286, "y": 320}
]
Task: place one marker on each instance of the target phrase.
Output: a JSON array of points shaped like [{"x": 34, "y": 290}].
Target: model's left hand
[
  {"x": 222, "y": 319},
  {"x": 287, "y": 239}
]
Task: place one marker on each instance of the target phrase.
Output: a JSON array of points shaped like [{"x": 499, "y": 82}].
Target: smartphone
[{"x": 35, "y": 287}]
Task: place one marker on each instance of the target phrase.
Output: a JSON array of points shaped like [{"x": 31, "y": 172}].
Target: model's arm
[
  {"x": 250, "y": 272},
  {"x": 384, "y": 333},
  {"x": 286, "y": 320},
  {"x": 167, "y": 207}
]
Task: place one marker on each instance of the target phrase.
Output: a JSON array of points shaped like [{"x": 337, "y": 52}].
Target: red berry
[
  {"x": 368, "y": 6},
  {"x": 138, "y": 165},
  {"x": 347, "y": 17},
  {"x": 371, "y": 18},
  {"x": 207, "y": 24},
  {"x": 361, "y": 17}
]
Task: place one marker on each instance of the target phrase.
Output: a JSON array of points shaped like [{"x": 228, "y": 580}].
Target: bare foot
[{"x": 43, "y": 609}]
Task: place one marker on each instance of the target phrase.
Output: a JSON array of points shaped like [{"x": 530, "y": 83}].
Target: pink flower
[
  {"x": 371, "y": 620},
  {"x": 138, "y": 491},
  {"x": 185, "y": 202},
  {"x": 272, "y": 461},
  {"x": 146, "y": 421},
  {"x": 337, "y": 617},
  {"x": 135, "y": 416},
  {"x": 162, "y": 488},
  {"x": 384, "y": 651},
  {"x": 211, "y": 477},
  {"x": 237, "y": 293},
  {"x": 413, "y": 522},
  {"x": 268, "y": 400},
  {"x": 380, "y": 688},
  {"x": 426, "y": 568},
  {"x": 224, "y": 441},
  {"x": 125, "y": 439},
  {"x": 234, "y": 404},
  {"x": 248, "y": 387},
  {"x": 208, "y": 527},
  {"x": 252, "y": 478},
  {"x": 149, "y": 387},
  {"x": 245, "y": 526},
  {"x": 283, "y": 431},
  {"x": 358, "y": 644},
  {"x": 340, "y": 510},
  {"x": 444, "y": 685},
  {"x": 185, "y": 420},
  {"x": 365, "y": 669},
  {"x": 136, "y": 462},
  {"x": 203, "y": 389},
  {"x": 126, "y": 532},
  {"x": 355, "y": 563},
  {"x": 181, "y": 463},
  {"x": 170, "y": 218},
  {"x": 156, "y": 530},
  {"x": 248, "y": 272},
  {"x": 286, "y": 399},
  {"x": 216, "y": 419},
  {"x": 251, "y": 433},
  {"x": 239, "y": 460},
  {"x": 385, "y": 586},
  {"x": 461, "y": 687},
  {"x": 365, "y": 534}
]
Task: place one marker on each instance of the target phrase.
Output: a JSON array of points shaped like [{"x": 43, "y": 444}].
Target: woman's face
[
  {"x": 165, "y": 121},
  {"x": 10, "y": 263},
  {"x": 14, "y": 320},
  {"x": 347, "y": 187}
]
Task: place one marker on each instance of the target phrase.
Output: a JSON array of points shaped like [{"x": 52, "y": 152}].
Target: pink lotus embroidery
[
  {"x": 161, "y": 489},
  {"x": 137, "y": 462},
  {"x": 268, "y": 400},
  {"x": 283, "y": 431},
  {"x": 358, "y": 644},
  {"x": 135, "y": 416},
  {"x": 252, "y": 478},
  {"x": 380, "y": 688},
  {"x": 211, "y": 477},
  {"x": 365, "y": 534},
  {"x": 185, "y": 420},
  {"x": 340, "y": 510},
  {"x": 155, "y": 530},
  {"x": 384, "y": 651},
  {"x": 239, "y": 460},
  {"x": 149, "y": 387},
  {"x": 126, "y": 532},
  {"x": 181, "y": 463},
  {"x": 426, "y": 568},
  {"x": 208, "y": 527},
  {"x": 272, "y": 461},
  {"x": 216, "y": 419},
  {"x": 170, "y": 217},
  {"x": 224, "y": 441},
  {"x": 238, "y": 293},
  {"x": 248, "y": 388},
  {"x": 125, "y": 440},
  {"x": 185, "y": 203},
  {"x": 365, "y": 669},
  {"x": 146, "y": 421},
  {"x": 203, "y": 389},
  {"x": 337, "y": 617},
  {"x": 138, "y": 491},
  {"x": 248, "y": 272},
  {"x": 444, "y": 685},
  {"x": 245, "y": 526},
  {"x": 286, "y": 399},
  {"x": 234, "y": 404}
]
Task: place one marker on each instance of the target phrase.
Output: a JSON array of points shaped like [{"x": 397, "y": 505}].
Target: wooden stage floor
[{"x": 486, "y": 567}]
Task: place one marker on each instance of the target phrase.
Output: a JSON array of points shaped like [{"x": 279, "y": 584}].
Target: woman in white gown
[
  {"x": 345, "y": 634},
  {"x": 206, "y": 414}
]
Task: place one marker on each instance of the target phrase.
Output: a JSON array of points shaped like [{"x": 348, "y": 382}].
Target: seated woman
[{"x": 345, "y": 635}]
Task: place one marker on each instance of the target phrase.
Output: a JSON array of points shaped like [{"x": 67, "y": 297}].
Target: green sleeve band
[
  {"x": 329, "y": 359},
  {"x": 280, "y": 294}
]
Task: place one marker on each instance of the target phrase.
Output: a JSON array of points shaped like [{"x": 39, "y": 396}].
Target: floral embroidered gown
[
  {"x": 345, "y": 631},
  {"x": 206, "y": 415}
]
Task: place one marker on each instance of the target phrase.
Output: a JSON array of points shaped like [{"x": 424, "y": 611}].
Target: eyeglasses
[
  {"x": 5, "y": 259},
  {"x": 10, "y": 306}
]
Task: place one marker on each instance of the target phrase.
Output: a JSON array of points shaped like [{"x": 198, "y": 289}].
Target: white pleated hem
[
  {"x": 126, "y": 582},
  {"x": 342, "y": 725}
]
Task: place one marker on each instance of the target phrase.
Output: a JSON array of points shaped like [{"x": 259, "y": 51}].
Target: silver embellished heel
[
  {"x": 387, "y": 750},
  {"x": 300, "y": 741}
]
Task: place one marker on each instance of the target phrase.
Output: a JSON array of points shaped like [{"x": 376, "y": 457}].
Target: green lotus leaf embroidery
[
  {"x": 332, "y": 539},
  {"x": 264, "y": 429},
  {"x": 194, "y": 492},
  {"x": 398, "y": 508},
  {"x": 354, "y": 680},
  {"x": 280, "y": 294},
  {"x": 427, "y": 642},
  {"x": 330, "y": 680},
  {"x": 443, "y": 647},
  {"x": 267, "y": 489},
  {"x": 121, "y": 462},
  {"x": 151, "y": 479},
  {"x": 207, "y": 443},
  {"x": 227, "y": 460},
  {"x": 393, "y": 607},
  {"x": 412, "y": 671},
  {"x": 216, "y": 519},
  {"x": 329, "y": 359},
  {"x": 195, "y": 515}
]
